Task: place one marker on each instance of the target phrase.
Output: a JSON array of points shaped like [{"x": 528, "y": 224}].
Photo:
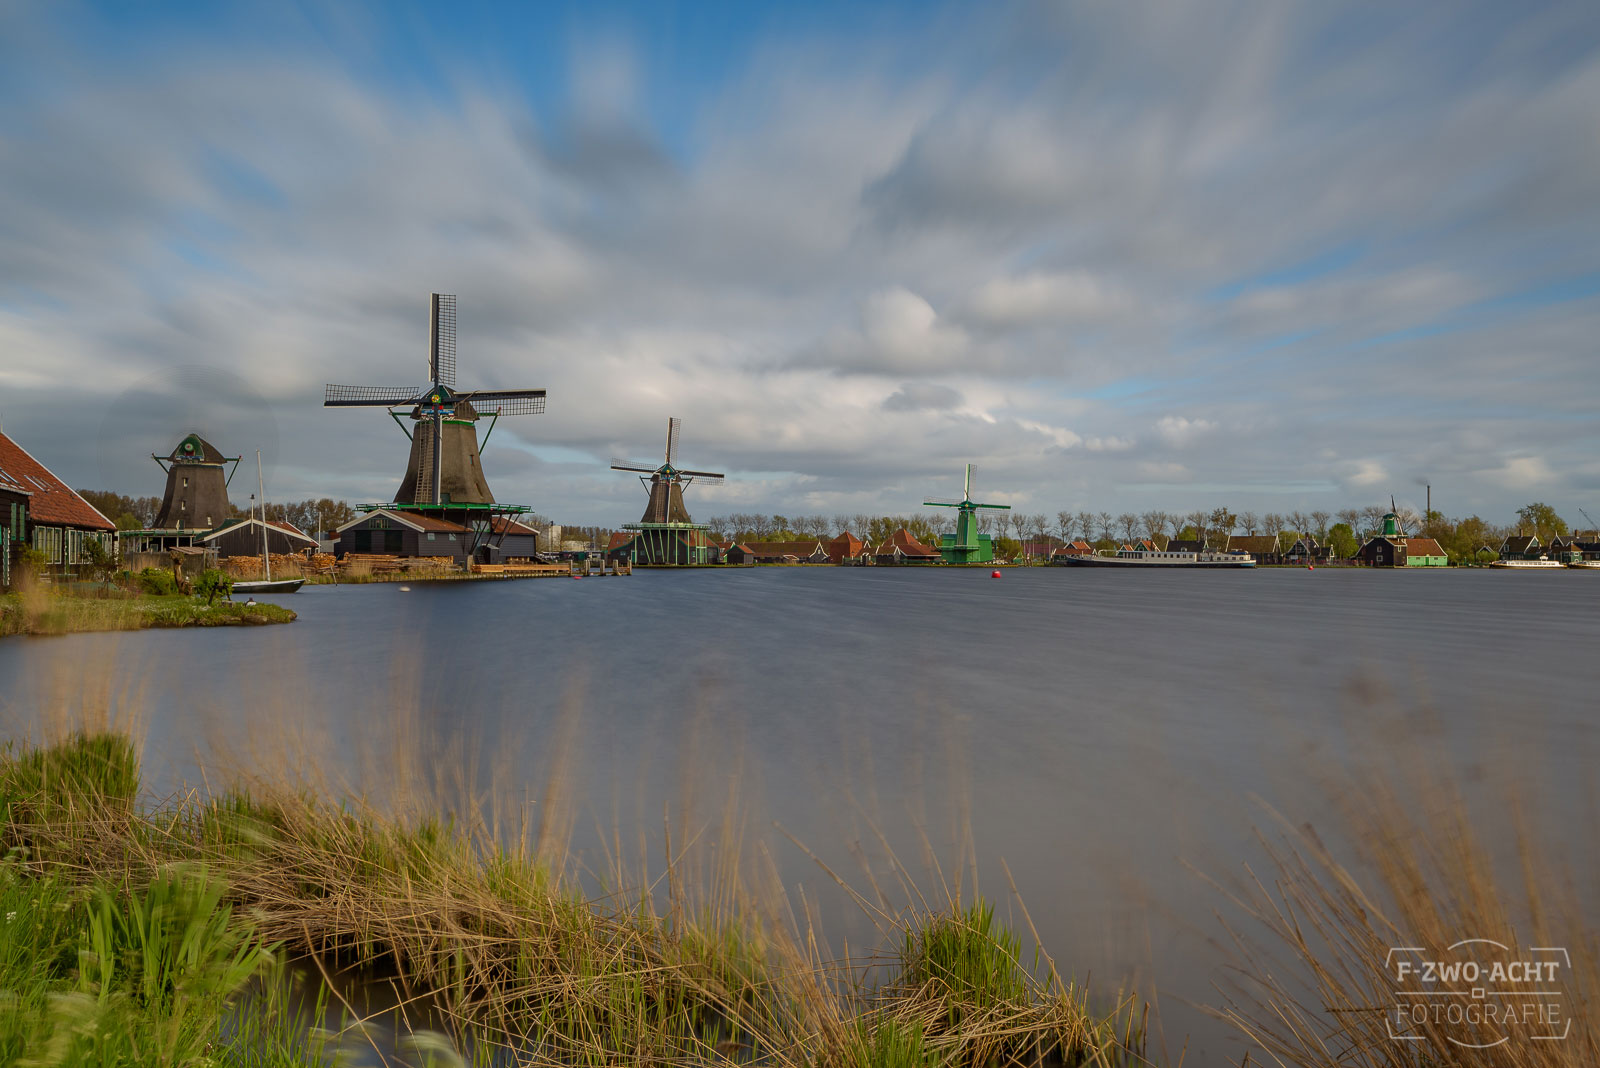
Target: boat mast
[{"x": 261, "y": 491}]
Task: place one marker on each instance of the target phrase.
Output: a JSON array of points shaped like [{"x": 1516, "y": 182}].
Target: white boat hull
[{"x": 1527, "y": 565}]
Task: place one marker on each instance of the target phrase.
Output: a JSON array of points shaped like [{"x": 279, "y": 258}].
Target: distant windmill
[
  {"x": 444, "y": 468},
  {"x": 666, "y": 534},
  {"x": 967, "y": 545}
]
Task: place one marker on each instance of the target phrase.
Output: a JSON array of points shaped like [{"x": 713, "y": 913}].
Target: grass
[
  {"x": 1316, "y": 987},
  {"x": 177, "y": 907},
  {"x": 43, "y": 612}
]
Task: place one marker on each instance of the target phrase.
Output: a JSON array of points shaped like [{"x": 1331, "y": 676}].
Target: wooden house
[
  {"x": 244, "y": 537},
  {"x": 1425, "y": 552},
  {"x": 738, "y": 555},
  {"x": 1180, "y": 545},
  {"x": 1076, "y": 548},
  {"x": 810, "y": 551},
  {"x": 1264, "y": 547},
  {"x": 509, "y": 542},
  {"x": 41, "y": 512},
  {"x": 1306, "y": 550},
  {"x": 392, "y": 532},
  {"x": 1521, "y": 547},
  {"x": 901, "y": 548},
  {"x": 845, "y": 549}
]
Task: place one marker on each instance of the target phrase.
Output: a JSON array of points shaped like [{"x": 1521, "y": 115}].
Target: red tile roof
[
  {"x": 619, "y": 538},
  {"x": 908, "y": 546},
  {"x": 1423, "y": 547},
  {"x": 52, "y": 503},
  {"x": 504, "y": 524}
]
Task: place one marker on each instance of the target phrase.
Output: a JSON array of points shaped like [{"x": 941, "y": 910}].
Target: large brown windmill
[
  {"x": 666, "y": 534},
  {"x": 444, "y": 473}
]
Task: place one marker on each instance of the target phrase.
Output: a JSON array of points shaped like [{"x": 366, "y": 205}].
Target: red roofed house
[
  {"x": 901, "y": 548},
  {"x": 1077, "y": 548},
  {"x": 845, "y": 549},
  {"x": 39, "y": 511}
]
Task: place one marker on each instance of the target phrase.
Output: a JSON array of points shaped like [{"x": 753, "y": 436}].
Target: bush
[
  {"x": 156, "y": 581},
  {"x": 212, "y": 584}
]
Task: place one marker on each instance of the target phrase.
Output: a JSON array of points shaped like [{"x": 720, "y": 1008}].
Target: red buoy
[{"x": 995, "y": 573}]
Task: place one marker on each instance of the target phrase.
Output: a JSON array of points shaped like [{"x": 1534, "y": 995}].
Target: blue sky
[{"x": 1122, "y": 257}]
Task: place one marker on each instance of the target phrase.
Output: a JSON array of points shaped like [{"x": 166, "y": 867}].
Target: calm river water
[{"x": 1103, "y": 734}]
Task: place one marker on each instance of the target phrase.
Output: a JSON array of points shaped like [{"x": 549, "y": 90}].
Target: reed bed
[
  {"x": 1317, "y": 984},
  {"x": 524, "y": 966}
]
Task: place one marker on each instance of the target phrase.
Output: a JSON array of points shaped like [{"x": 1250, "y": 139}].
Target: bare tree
[
  {"x": 1039, "y": 527},
  {"x": 1128, "y": 525},
  {"x": 1319, "y": 525},
  {"x": 1272, "y": 523},
  {"x": 1250, "y": 521},
  {"x": 1086, "y": 526},
  {"x": 1351, "y": 517},
  {"x": 1300, "y": 521},
  {"x": 717, "y": 527},
  {"x": 1198, "y": 519},
  {"x": 1410, "y": 520},
  {"x": 1151, "y": 523},
  {"x": 1064, "y": 525},
  {"x": 1102, "y": 522},
  {"x": 1372, "y": 518}
]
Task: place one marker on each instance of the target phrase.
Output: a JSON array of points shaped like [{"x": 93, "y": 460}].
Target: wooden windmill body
[
  {"x": 444, "y": 475},
  {"x": 666, "y": 535}
]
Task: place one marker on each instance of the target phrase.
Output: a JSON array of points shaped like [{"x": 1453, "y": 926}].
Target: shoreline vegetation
[
  {"x": 44, "y": 611},
  {"x": 152, "y": 923},
  {"x": 168, "y": 931}
]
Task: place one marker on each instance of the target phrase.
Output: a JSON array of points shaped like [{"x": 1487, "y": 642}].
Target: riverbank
[
  {"x": 48, "y": 612},
  {"x": 182, "y": 904}
]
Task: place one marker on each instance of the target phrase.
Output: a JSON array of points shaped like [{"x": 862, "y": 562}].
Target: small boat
[
  {"x": 253, "y": 587},
  {"x": 1543, "y": 563},
  {"x": 270, "y": 586},
  {"x": 1158, "y": 559}
]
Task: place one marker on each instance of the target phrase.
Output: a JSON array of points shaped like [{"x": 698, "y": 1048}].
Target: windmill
[
  {"x": 444, "y": 474},
  {"x": 967, "y": 545},
  {"x": 666, "y": 534}
]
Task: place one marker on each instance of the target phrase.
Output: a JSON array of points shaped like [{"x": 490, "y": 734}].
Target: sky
[{"x": 1120, "y": 257}]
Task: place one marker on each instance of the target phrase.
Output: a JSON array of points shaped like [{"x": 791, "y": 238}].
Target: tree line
[
  {"x": 1342, "y": 531},
  {"x": 139, "y": 513}
]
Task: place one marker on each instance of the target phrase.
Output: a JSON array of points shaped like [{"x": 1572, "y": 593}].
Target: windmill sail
[
  {"x": 444, "y": 467},
  {"x": 442, "y": 340}
]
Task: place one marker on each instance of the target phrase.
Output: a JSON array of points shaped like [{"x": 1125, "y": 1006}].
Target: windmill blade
[
  {"x": 370, "y": 396},
  {"x": 996, "y": 507},
  {"x": 941, "y": 503},
  {"x": 442, "y": 340},
  {"x": 505, "y": 401},
  {"x": 703, "y": 476},
  {"x": 673, "y": 426},
  {"x": 619, "y": 464}
]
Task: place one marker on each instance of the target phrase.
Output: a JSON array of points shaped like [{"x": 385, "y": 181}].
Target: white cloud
[{"x": 1179, "y": 430}]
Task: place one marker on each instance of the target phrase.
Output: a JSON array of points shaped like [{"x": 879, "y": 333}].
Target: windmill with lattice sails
[
  {"x": 665, "y": 534},
  {"x": 444, "y": 473},
  {"x": 968, "y": 545}
]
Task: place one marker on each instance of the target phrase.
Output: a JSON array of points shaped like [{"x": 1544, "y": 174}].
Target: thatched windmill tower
[
  {"x": 196, "y": 497},
  {"x": 665, "y": 533},
  {"x": 444, "y": 472}
]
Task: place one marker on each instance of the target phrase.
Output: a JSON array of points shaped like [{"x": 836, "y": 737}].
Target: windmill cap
[{"x": 195, "y": 449}]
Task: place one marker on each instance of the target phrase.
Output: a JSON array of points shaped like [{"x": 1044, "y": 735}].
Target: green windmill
[{"x": 966, "y": 545}]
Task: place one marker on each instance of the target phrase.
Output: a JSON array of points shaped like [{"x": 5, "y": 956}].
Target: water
[{"x": 1102, "y": 733}]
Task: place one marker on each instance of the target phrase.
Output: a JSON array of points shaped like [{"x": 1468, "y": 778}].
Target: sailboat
[{"x": 269, "y": 586}]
